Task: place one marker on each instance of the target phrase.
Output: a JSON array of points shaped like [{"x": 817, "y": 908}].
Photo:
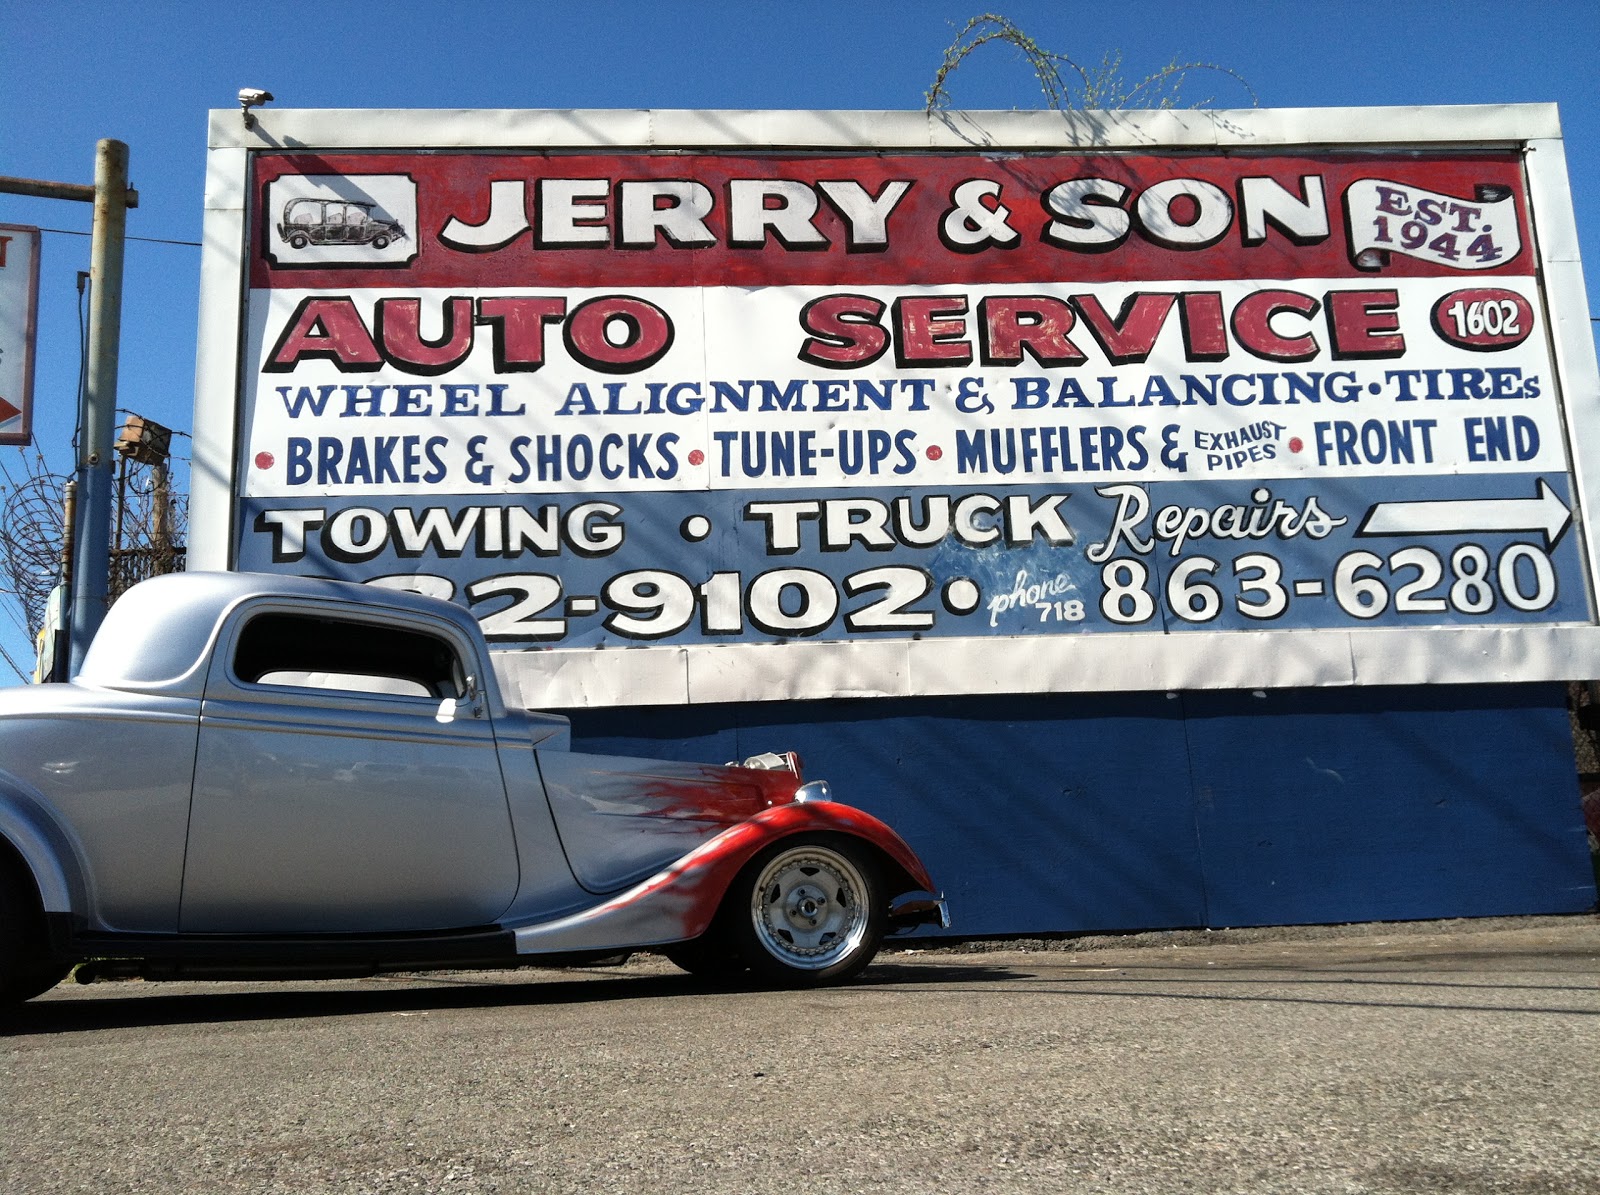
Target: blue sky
[{"x": 146, "y": 72}]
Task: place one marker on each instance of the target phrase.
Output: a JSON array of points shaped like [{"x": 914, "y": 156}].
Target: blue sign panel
[{"x": 613, "y": 570}]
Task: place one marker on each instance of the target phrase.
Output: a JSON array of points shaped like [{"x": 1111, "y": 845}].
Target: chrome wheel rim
[{"x": 809, "y": 907}]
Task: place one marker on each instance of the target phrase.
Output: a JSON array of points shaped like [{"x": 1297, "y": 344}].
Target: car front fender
[{"x": 679, "y": 902}]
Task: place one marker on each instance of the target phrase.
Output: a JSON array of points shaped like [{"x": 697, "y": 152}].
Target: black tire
[
  {"x": 709, "y": 957},
  {"x": 299, "y": 240},
  {"x": 807, "y": 911},
  {"x": 26, "y": 968},
  {"x": 380, "y": 242}
]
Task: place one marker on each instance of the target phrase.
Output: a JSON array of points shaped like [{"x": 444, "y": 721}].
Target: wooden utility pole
[{"x": 112, "y": 197}]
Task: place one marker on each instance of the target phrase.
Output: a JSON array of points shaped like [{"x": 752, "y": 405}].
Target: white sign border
[{"x": 1101, "y": 662}]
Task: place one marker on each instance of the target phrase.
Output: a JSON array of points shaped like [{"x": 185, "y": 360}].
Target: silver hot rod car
[{"x": 258, "y": 776}]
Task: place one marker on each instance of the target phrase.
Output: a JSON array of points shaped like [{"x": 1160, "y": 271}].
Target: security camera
[{"x": 252, "y": 97}]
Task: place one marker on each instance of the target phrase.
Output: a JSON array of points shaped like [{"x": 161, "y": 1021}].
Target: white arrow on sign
[{"x": 1546, "y": 513}]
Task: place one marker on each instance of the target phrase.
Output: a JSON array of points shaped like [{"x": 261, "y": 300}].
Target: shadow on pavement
[
  {"x": 123, "y": 1005},
  {"x": 1372, "y": 982}
]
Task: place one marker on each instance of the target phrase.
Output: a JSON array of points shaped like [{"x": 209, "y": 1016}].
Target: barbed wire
[
  {"x": 31, "y": 526},
  {"x": 150, "y": 522}
]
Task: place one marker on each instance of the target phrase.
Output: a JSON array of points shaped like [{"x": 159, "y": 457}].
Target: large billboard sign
[
  {"x": 19, "y": 303},
  {"x": 704, "y": 407}
]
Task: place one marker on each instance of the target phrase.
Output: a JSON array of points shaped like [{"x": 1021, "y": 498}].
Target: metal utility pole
[
  {"x": 112, "y": 197},
  {"x": 91, "y": 569}
]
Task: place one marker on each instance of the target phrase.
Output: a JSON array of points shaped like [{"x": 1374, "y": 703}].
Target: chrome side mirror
[{"x": 469, "y": 703}]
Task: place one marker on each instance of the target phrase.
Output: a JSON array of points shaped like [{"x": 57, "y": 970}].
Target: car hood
[{"x": 621, "y": 819}]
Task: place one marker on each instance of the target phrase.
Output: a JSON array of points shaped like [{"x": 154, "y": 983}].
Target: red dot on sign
[
  {"x": 697, "y": 457},
  {"x": 1296, "y": 443},
  {"x": 264, "y": 460},
  {"x": 934, "y": 452}
]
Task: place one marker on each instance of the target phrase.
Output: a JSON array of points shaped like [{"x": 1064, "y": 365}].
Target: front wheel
[
  {"x": 25, "y": 965},
  {"x": 810, "y": 911}
]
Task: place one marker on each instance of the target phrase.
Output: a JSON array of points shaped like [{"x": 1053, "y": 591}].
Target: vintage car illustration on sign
[
  {"x": 258, "y": 775},
  {"x": 318, "y": 221}
]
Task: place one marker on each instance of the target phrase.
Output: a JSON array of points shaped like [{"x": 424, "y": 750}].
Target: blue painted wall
[{"x": 1069, "y": 813}]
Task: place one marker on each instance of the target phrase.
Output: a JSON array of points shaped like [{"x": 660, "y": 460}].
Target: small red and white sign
[{"x": 19, "y": 304}]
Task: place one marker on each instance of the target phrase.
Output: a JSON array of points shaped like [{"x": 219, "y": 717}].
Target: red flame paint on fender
[{"x": 679, "y": 902}]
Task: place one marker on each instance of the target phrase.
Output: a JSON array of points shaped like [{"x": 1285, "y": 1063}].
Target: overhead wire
[{"x": 73, "y": 232}]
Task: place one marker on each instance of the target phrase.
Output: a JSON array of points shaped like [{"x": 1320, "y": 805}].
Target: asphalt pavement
[{"x": 1460, "y": 1057}]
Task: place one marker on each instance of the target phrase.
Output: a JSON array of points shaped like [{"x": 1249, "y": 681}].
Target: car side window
[{"x": 309, "y": 651}]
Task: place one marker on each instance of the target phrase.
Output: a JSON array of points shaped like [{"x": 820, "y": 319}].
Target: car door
[
  {"x": 346, "y": 221},
  {"x": 344, "y": 782}
]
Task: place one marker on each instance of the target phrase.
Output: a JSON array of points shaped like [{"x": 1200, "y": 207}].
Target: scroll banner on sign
[
  {"x": 1386, "y": 217},
  {"x": 695, "y": 398}
]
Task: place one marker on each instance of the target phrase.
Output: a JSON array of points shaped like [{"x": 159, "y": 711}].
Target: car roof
[
  {"x": 159, "y": 633},
  {"x": 365, "y": 205}
]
